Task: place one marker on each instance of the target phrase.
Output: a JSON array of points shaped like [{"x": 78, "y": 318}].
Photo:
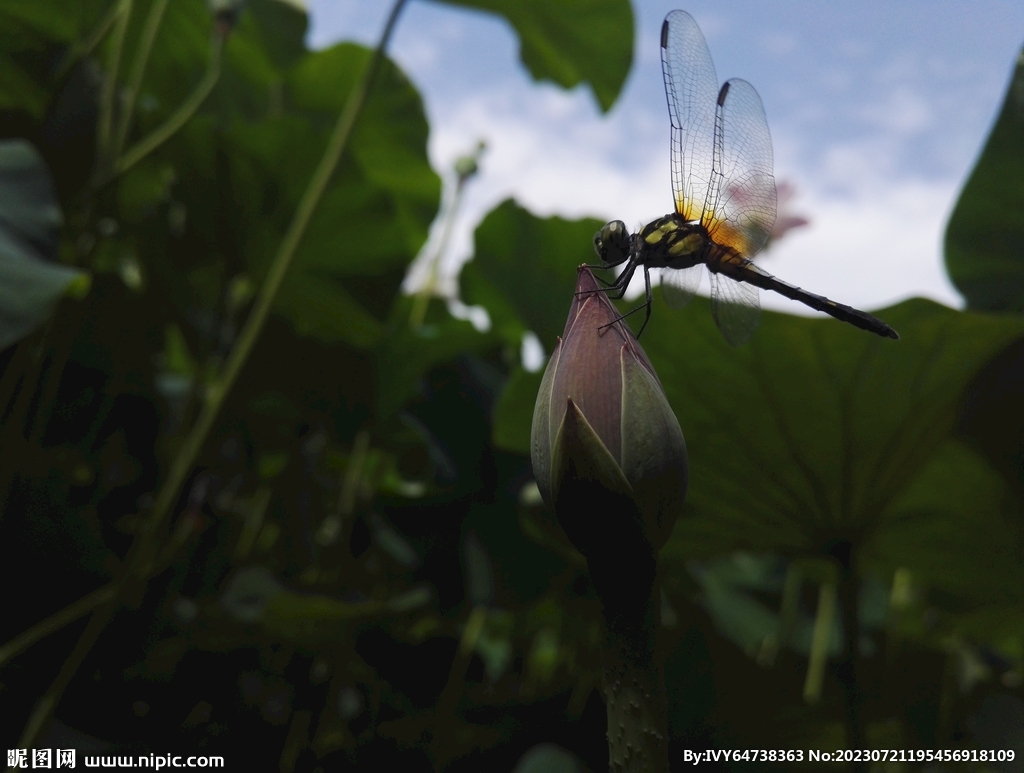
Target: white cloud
[
  {"x": 875, "y": 233},
  {"x": 425, "y": 52},
  {"x": 867, "y": 251},
  {"x": 903, "y": 111}
]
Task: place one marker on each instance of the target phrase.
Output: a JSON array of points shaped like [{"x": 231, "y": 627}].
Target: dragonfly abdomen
[{"x": 751, "y": 274}]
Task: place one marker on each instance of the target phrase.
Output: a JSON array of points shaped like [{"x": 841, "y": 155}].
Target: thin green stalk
[
  {"x": 51, "y": 382},
  {"x": 12, "y": 439},
  {"x": 947, "y": 696},
  {"x": 353, "y": 474},
  {"x": 108, "y": 95},
  {"x": 252, "y": 524},
  {"x": 23, "y": 419},
  {"x": 426, "y": 292},
  {"x": 56, "y": 621},
  {"x": 16, "y": 368},
  {"x": 850, "y": 670},
  {"x": 465, "y": 168},
  {"x": 170, "y": 127},
  {"x": 821, "y": 638},
  {"x": 77, "y": 51},
  {"x": 139, "y": 562},
  {"x": 444, "y": 716},
  {"x": 156, "y": 13},
  {"x": 788, "y": 614},
  {"x": 330, "y": 529}
]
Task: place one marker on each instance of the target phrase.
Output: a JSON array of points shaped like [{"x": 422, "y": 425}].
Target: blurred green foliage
[{"x": 359, "y": 571}]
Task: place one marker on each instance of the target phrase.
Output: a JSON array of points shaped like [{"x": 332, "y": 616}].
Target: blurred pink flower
[{"x": 785, "y": 221}]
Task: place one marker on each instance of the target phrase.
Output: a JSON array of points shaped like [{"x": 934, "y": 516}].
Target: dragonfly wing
[
  {"x": 735, "y": 306},
  {"x": 679, "y": 284},
  {"x": 691, "y": 87},
  {"x": 742, "y": 212}
]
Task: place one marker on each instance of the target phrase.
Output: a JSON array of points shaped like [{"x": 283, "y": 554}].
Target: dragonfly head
[{"x": 613, "y": 243}]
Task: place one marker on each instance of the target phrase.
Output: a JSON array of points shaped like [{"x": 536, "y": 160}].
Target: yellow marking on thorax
[
  {"x": 688, "y": 245},
  {"x": 658, "y": 235}
]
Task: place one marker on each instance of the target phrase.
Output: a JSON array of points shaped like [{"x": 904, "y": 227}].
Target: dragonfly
[{"x": 725, "y": 199}]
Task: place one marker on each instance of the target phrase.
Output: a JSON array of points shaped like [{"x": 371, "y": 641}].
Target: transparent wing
[
  {"x": 679, "y": 284},
  {"x": 743, "y": 206},
  {"x": 735, "y": 306},
  {"x": 691, "y": 88}
]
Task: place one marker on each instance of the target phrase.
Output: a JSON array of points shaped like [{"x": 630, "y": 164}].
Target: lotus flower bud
[{"x": 607, "y": 450}]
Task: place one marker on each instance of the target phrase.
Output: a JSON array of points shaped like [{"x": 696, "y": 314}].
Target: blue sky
[{"x": 877, "y": 112}]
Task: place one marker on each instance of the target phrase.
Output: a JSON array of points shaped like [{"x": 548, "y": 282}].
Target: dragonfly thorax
[{"x": 672, "y": 242}]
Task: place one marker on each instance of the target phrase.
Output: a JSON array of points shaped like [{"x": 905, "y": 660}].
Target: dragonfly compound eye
[{"x": 612, "y": 243}]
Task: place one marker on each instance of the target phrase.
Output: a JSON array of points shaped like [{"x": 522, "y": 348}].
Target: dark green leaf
[
  {"x": 32, "y": 34},
  {"x": 524, "y": 272},
  {"x": 143, "y": 188},
  {"x": 406, "y": 354},
  {"x": 952, "y": 528},
  {"x": 267, "y": 42},
  {"x": 992, "y": 409},
  {"x": 371, "y": 221},
  {"x": 18, "y": 91},
  {"x": 389, "y": 142},
  {"x": 813, "y": 429},
  {"x": 22, "y": 21},
  {"x": 281, "y": 28},
  {"x": 31, "y": 281},
  {"x": 177, "y": 61},
  {"x": 985, "y": 235},
  {"x": 572, "y": 41},
  {"x": 247, "y": 59},
  {"x": 513, "y": 415}
]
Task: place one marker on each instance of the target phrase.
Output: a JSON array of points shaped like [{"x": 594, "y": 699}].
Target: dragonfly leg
[
  {"x": 622, "y": 281},
  {"x": 646, "y": 305},
  {"x": 605, "y": 282},
  {"x": 619, "y": 285},
  {"x": 647, "y": 287}
]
